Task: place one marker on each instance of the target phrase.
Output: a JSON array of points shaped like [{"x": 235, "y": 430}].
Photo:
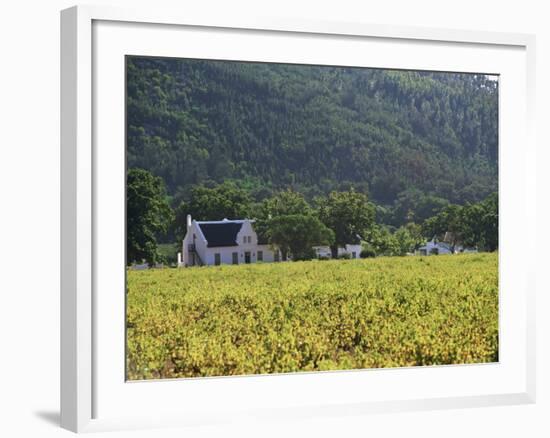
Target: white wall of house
[
  {"x": 268, "y": 254},
  {"x": 193, "y": 236},
  {"x": 322, "y": 251},
  {"x": 442, "y": 248},
  {"x": 353, "y": 250},
  {"x": 226, "y": 254},
  {"x": 433, "y": 246}
]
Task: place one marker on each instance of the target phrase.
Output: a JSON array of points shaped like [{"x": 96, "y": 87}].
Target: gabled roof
[{"x": 220, "y": 233}]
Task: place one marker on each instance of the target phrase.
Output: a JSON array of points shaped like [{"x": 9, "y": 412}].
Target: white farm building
[
  {"x": 434, "y": 247},
  {"x": 353, "y": 251},
  {"x": 235, "y": 242},
  {"x": 223, "y": 242}
]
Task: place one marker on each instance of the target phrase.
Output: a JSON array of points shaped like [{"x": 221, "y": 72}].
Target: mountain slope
[{"x": 270, "y": 126}]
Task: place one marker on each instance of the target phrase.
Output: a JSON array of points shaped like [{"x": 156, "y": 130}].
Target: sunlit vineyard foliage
[{"x": 316, "y": 315}]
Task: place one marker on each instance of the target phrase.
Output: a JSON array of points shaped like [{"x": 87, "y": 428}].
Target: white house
[
  {"x": 352, "y": 250},
  {"x": 434, "y": 247},
  {"x": 223, "y": 242}
]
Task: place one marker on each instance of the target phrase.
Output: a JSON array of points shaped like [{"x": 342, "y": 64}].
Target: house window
[
  {"x": 260, "y": 256},
  {"x": 244, "y": 239},
  {"x": 217, "y": 259},
  {"x": 235, "y": 257},
  {"x": 249, "y": 239}
]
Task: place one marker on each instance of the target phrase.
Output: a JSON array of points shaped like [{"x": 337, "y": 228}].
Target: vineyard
[{"x": 315, "y": 315}]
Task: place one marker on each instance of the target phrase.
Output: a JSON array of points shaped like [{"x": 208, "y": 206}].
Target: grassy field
[{"x": 317, "y": 315}]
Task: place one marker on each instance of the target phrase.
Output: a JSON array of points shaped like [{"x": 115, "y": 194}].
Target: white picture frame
[{"x": 93, "y": 39}]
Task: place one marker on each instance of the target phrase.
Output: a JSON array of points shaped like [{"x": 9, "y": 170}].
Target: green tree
[
  {"x": 490, "y": 222},
  {"x": 296, "y": 234},
  {"x": 481, "y": 223},
  {"x": 284, "y": 203},
  {"x": 148, "y": 215},
  {"x": 471, "y": 225},
  {"x": 415, "y": 231},
  {"x": 414, "y": 205},
  {"x": 408, "y": 238},
  {"x": 349, "y": 215},
  {"x": 213, "y": 203},
  {"x": 381, "y": 241},
  {"x": 450, "y": 219}
]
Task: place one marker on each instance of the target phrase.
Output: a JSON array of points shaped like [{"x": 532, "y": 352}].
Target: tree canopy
[
  {"x": 349, "y": 215},
  {"x": 297, "y": 234},
  {"x": 474, "y": 225},
  {"x": 148, "y": 214}
]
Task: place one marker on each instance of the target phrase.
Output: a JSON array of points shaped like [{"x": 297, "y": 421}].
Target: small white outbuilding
[{"x": 434, "y": 247}]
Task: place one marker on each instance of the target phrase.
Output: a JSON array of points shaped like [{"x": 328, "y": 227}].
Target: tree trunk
[{"x": 334, "y": 251}]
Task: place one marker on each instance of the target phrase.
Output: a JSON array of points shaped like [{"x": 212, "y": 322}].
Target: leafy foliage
[
  {"x": 221, "y": 201},
  {"x": 471, "y": 224},
  {"x": 148, "y": 214},
  {"x": 408, "y": 238},
  {"x": 481, "y": 223},
  {"x": 283, "y": 203},
  {"x": 348, "y": 214},
  {"x": 412, "y": 205},
  {"x": 307, "y": 316},
  {"x": 297, "y": 234}
]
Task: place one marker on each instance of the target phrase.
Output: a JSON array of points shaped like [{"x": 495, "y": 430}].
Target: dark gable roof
[{"x": 221, "y": 234}]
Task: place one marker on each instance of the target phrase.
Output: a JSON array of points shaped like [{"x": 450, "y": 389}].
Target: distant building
[
  {"x": 351, "y": 250},
  {"x": 435, "y": 247}
]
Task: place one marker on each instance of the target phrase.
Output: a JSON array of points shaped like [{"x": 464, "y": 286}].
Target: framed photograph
[{"x": 288, "y": 218}]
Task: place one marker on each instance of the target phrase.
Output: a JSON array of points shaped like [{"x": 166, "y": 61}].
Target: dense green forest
[
  {"x": 414, "y": 143},
  {"x": 316, "y": 129}
]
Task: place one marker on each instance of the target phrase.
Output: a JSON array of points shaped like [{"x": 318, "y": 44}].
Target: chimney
[{"x": 188, "y": 221}]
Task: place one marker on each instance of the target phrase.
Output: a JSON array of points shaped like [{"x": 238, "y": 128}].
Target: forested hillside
[{"x": 412, "y": 141}]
